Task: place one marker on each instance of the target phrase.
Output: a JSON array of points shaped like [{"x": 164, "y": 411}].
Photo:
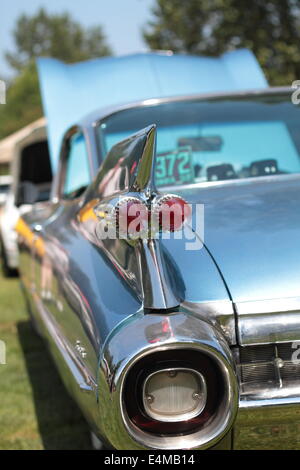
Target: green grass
[{"x": 35, "y": 410}]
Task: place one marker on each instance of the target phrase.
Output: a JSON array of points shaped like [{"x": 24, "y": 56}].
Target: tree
[
  {"x": 56, "y": 36},
  {"x": 271, "y": 29},
  {"x": 23, "y": 102}
]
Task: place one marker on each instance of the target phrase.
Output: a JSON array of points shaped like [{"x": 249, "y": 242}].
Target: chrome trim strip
[
  {"x": 96, "y": 117},
  {"x": 232, "y": 182},
  {"x": 269, "y": 328},
  {"x": 158, "y": 293},
  {"x": 268, "y": 321},
  {"x": 271, "y": 397},
  {"x": 250, "y": 404}
]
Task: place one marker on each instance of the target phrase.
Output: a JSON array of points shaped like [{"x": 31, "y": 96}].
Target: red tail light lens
[
  {"x": 135, "y": 219},
  {"x": 172, "y": 211}
]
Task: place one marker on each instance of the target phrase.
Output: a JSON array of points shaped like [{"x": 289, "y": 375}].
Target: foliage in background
[
  {"x": 56, "y": 36},
  {"x": 43, "y": 34},
  {"x": 23, "y": 102},
  {"x": 271, "y": 29}
]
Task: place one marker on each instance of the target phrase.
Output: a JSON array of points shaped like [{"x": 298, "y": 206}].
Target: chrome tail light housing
[{"x": 174, "y": 389}]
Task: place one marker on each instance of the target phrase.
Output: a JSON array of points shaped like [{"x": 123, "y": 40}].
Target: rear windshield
[{"x": 215, "y": 140}]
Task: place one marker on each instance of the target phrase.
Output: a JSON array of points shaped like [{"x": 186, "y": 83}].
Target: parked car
[
  {"x": 30, "y": 165},
  {"x": 5, "y": 182},
  {"x": 165, "y": 345}
]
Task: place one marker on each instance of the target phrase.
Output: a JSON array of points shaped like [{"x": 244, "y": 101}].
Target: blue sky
[{"x": 121, "y": 19}]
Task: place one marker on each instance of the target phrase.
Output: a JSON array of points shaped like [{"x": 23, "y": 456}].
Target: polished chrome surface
[
  {"x": 157, "y": 293},
  {"x": 269, "y": 407},
  {"x": 144, "y": 180},
  {"x": 219, "y": 313},
  {"x": 129, "y": 166},
  {"x": 268, "y": 374},
  {"x": 269, "y": 321},
  {"x": 97, "y": 116},
  {"x": 271, "y": 397},
  {"x": 234, "y": 182},
  {"x": 134, "y": 340},
  {"x": 80, "y": 349}
]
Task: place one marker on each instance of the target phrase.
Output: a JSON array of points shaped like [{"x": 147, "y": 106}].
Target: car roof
[{"x": 92, "y": 118}]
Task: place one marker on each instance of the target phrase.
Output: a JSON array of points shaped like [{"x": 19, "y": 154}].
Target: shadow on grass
[{"x": 60, "y": 422}]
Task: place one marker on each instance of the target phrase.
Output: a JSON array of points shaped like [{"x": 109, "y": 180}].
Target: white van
[{"x": 30, "y": 166}]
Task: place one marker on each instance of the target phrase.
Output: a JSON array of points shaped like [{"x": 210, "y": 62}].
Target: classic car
[
  {"x": 27, "y": 151},
  {"x": 171, "y": 330}
]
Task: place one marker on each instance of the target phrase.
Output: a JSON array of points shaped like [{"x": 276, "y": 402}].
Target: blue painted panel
[{"x": 70, "y": 92}]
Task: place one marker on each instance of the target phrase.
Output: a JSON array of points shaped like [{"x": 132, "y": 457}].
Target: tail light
[
  {"x": 171, "y": 212},
  {"x": 176, "y": 396},
  {"x": 132, "y": 217},
  {"x": 136, "y": 218},
  {"x": 176, "y": 389}
]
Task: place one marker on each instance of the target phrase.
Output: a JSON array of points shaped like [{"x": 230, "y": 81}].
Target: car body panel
[
  {"x": 263, "y": 278},
  {"x": 269, "y": 231}
]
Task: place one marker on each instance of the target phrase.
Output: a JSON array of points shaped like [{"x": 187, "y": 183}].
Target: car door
[{"x": 62, "y": 283}]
